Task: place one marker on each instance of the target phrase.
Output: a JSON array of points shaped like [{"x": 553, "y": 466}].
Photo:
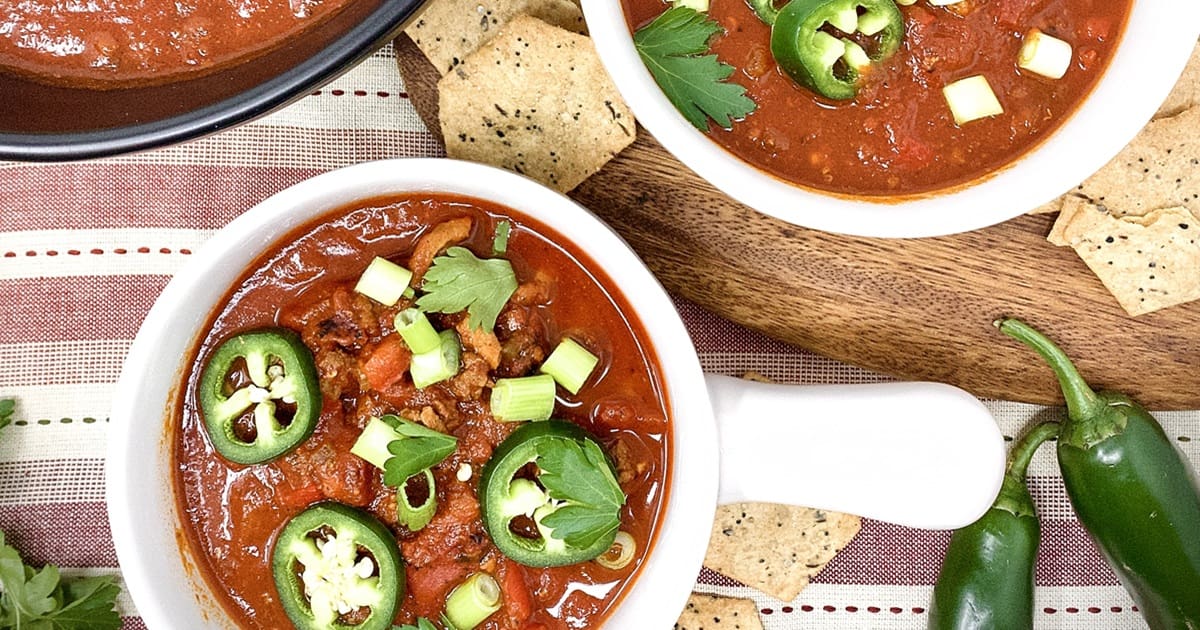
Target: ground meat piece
[
  {"x": 482, "y": 342},
  {"x": 434, "y": 241},
  {"x": 522, "y": 335},
  {"x": 632, "y": 459},
  {"x": 533, "y": 292},
  {"x": 339, "y": 373},
  {"x": 428, "y": 417},
  {"x": 345, "y": 478},
  {"x": 468, "y": 384}
]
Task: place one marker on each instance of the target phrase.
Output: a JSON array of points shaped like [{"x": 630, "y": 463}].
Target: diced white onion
[
  {"x": 971, "y": 99},
  {"x": 942, "y": 3},
  {"x": 464, "y": 472},
  {"x": 698, "y": 5},
  {"x": 383, "y": 281},
  {"x": 1044, "y": 55}
]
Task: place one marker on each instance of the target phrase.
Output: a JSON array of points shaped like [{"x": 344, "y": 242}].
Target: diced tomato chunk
[
  {"x": 518, "y": 603},
  {"x": 302, "y": 496},
  {"x": 429, "y": 585},
  {"x": 387, "y": 363}
]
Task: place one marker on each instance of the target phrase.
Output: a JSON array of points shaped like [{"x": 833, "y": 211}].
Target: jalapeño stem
[
  {"x": 1014, "y": 497},
  {"x": 1082, "y": 402}
]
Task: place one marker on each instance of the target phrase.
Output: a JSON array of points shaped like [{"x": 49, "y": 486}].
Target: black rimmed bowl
[{"x": 45, "y": 123}]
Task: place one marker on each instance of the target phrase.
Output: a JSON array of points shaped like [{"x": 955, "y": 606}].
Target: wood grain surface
[{"x": 912, "y": 308}]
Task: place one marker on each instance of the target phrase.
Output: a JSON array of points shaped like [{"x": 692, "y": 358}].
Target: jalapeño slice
[
  {"x": 259, "y": 395},
  {"x": 337, "y": 567},
  {"x": 549, "y": 496},
  {"x": 832, "y": 64}
]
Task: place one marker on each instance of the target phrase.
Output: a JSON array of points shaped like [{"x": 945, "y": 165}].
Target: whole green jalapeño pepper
[
  {"x": 259, "y": 395},
  {"x": 1132, "y": 489},
  {"x": 549, "y": 496},
  {"x": 820, "y": 43},
  {"x": 338, "y": 567},
  {"x": 987, "y": 578}
]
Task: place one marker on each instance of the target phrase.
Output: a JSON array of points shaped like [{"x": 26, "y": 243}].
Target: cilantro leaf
[
  {"x": 578, "y": 474},
  {"x": 7, "y": 406},
  {"x": 458, "y": 280},
  {"x": 673, "y": 47},
  {"x": 40, "y": 600},
  {"x": 418, "y": 448}
]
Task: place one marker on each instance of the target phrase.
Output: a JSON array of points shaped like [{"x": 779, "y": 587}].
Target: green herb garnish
[
  {"x": 422, "y": 624},
  {"x": 459, "y": 281},
  {"x": 580, "y": 475},
  {"x": 500, "y": 243},
  {"x": 674, "y": 48},
  {"x": 40, "y": 600},
  {"x": 418, "y": 448},
  {"x": 7, "y": 406}
]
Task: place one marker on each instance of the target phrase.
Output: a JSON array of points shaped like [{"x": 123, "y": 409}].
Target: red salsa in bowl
[
  {"x": 422, "y": 408},
  {"x": 895, "y": 131}
]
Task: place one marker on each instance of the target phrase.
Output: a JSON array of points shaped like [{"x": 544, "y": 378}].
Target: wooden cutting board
[{"x": 912, "y": 308}]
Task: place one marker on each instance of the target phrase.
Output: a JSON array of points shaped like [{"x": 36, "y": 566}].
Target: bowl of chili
[
  {"x": 135, "y": 76},
  {"x": 222, "y": 503},
  {"x": 893, "y": 119}
]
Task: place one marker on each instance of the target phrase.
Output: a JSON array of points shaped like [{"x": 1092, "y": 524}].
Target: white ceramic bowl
[
  {"x": 922, "y": 454},
  {"x": 1153, "y": 51}
]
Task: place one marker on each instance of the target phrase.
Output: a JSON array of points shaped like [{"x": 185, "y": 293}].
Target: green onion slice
[
  {"x": 372, "y": 443},
  {"x": 418, "y": 333},
  {"x": 384, "y": 281},
  {"x": 473, "y": 601},
  {"x": 570, "y": 364},
  {"x": 526, "y": 398},
  {"x": 438, "y": 364},
  {"x": 416, "y": 501}
]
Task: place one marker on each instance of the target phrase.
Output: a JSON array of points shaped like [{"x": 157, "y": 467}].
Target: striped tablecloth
[{"x": 85, "y": 248}]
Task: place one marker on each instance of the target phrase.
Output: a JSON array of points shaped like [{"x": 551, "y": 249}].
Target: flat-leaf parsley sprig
[
  {"x": 40, "y": 600},
  {"x": 673, "y": 47}
]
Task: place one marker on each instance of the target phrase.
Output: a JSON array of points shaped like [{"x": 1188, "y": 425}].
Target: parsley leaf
[
  {"x": 7, "y": 406},
  {"x": 40, "y": 600},
  {"x": 458, "y": 280},
  {"x": 578, "y": 473},
  {"x": 673, "y": 47},
  {"x": 418, "y": 448}
]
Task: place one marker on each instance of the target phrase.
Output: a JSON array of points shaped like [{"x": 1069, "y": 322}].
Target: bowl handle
[{"x": 917, "y": 454}]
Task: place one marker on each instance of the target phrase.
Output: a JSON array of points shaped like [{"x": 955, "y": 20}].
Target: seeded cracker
[
  {"x": 776, "y": 548},
  {"x": 449, "y": 30},
  {"x": 535, "y": 100},
  {"x": 1147, "y": 262},
  {"x": 709, "y": 612},
  {"x": 1159, "y": 169},
  {"x": 1186, "y": 94}
]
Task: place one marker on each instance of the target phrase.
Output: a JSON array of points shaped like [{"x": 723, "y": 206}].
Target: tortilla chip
[
  {"x": 1050, "y": 207},
  {"x": 449, "y": 30},
  {"x": 710, "y": 612},
  {"x": 535, "y": 100},
  {"x": 776, "y": 548},
  {"x": 1186, "y": 94},
  {"x": 1071, "y": 204},
  {"x": 1147, "y": 262},
  {"x": 1159, "y": 169}
]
